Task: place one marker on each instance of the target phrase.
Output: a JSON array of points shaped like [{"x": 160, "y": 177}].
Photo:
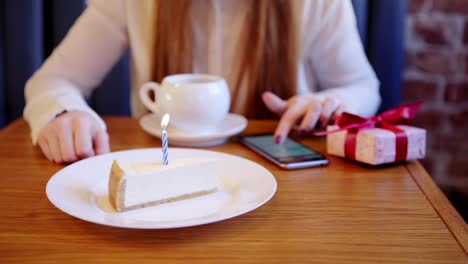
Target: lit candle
[{"x": 164, "y": 123}]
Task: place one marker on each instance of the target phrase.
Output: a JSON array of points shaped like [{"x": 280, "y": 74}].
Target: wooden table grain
[{"x": 343, "y": 213}]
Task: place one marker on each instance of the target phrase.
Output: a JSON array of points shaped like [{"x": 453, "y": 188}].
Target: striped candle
[{"x": 165, "y": 148}]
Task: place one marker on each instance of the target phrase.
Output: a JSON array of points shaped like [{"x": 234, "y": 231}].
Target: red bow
[{"x": 403, "y": 114}]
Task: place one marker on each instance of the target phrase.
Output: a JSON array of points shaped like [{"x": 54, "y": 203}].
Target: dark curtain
[
  {"x": 21, "y": 52},
  {"x": 381, "y": 26},
  {"x": 30, "y": 29}
]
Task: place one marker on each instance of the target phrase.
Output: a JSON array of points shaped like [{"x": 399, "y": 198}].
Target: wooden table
[{"x": 342, "y": 213}]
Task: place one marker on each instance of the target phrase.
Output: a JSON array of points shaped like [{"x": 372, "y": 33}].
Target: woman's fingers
[
  {"x": 67, "y": 147},
  {"x": 311, "y": 116},
  {"x": 339, "y": 110},
  {"x": 101, "y": 142},
  {"x": 90, "y": 138},
  {"x": 45, "y": 148},
  {"x": 54, "y": 147},
  {"x": 329, "y": 106},
  {"x": 274, "y": 103},
  {"x": 71, "y": 136},
  {"x": 82, "y": 139},
  {"x": 294, "y": 112},
  {"x": 305, "y": 110}
]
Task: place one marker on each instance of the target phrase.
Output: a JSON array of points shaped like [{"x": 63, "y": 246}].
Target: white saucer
[{"x": 233, "y": 124}]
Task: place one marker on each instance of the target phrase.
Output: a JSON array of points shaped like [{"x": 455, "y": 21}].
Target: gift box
[
  {"x": 385, "y": 138},
  {"x": 377, "y": 145}
]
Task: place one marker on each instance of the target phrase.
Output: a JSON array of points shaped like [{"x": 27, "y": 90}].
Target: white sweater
[{"x": 332, "y": 57}]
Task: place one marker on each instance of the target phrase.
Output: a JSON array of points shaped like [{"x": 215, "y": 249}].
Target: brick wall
[{"x": 436, "y": 72}]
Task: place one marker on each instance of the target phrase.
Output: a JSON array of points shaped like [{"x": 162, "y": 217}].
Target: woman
[{"x": 302, "y": 58}]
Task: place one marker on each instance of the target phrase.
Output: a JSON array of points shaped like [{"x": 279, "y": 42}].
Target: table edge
[{"x": 443, "y": 207}]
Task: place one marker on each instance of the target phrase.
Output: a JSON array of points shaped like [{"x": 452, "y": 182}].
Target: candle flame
[{"x": 165, "y": 121}]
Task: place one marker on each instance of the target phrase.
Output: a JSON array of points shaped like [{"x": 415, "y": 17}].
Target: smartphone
[{"x": 289, "y": 155}]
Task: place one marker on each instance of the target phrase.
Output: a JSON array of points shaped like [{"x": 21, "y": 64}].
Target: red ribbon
[{"x": 400, "y": 115}]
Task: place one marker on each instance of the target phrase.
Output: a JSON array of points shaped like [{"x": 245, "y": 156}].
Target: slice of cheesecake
[{"x": 138, "y": 185}]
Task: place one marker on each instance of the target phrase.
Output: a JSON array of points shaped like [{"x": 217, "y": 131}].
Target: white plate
[
  {"x": 80, "y": 190},
  {"x": 233, "y": 124}
]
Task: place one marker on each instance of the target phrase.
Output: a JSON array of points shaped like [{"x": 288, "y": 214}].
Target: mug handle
[{"x": 145, "y": 99}]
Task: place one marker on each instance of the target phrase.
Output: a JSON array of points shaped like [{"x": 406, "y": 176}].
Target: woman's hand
[
  {"x": 306, "y": 111},
  {"x": 72, "y": 136}
]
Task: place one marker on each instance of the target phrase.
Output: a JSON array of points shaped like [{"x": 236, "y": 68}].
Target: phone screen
[{"x": 287, "y": 153}]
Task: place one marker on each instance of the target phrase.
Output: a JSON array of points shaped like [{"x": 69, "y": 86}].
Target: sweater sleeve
[
  {"x": 79, "y": 63},
  {"x": 338, "y": 60}
]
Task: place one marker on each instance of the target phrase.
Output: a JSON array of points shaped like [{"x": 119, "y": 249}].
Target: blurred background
[
  {"x": 419, "y": 49},
  {"x": 436, "y": 71}
]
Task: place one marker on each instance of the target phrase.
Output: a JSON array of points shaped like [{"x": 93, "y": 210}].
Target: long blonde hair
[{"x": 269, "y": 52}]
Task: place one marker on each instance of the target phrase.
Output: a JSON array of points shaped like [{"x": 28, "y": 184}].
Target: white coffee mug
[{"x": 196, "y": 103}]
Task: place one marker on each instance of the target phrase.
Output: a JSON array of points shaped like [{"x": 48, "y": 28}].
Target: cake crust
[
  {"x": 168, "y": 200},
  {"x": 117, "y": 187}
]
